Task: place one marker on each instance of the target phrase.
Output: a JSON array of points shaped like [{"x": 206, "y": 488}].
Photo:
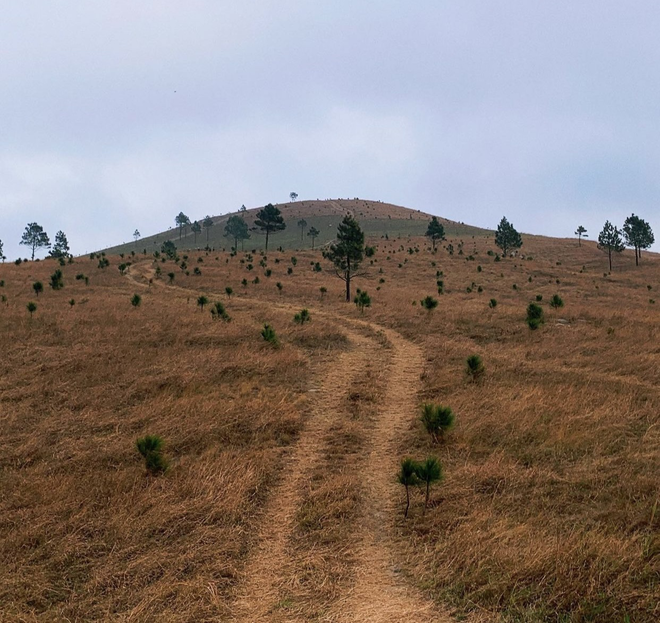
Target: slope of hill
[
  {"x": 281, "y": 502},
  {"x": 377, "y": 219}
]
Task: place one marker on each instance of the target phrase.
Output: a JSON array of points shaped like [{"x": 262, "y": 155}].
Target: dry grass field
[{"x": 281, "y": 501}]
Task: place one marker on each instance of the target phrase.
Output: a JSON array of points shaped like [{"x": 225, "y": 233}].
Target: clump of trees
[
  {"x": 237, "y": 228},
  {"x": 638, "y": 234},
  {"x": 182, "y": 222},
  {"x": 313, "y": 233}
]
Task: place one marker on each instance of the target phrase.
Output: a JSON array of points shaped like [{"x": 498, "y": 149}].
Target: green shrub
[
  {"x": 279, "y": 287},
  {"x": 534, "y": 316},
  {"x": 492, "y": 303},
  {"x": 38, "y": 287},
  {"x": 556, "y": 301},
  {"x": 408, "y": 478},
  {"x": 437, "y": 420},
  {"x": 302, "y": 317},
  {"x": 31, "y": 307},
  {"x": 428, "y": 472},
  {"x": 151, "y": 448},
  {"x": 229, "y": 291},
  {"x": 323, "y": 290},
  {"x": 171, "y": 277},
  {"x": 429, "y": 303},
  {"x": 475, "y": 367},
  {"x": 201, "y": 301},
  {"x": 218, "y": 311},
  {"x": 57, "y": 280},
  {"x": 539, "y": 297},
  {"x": 268, "y": 333},
  {"x": 136, "y": 300},
  {"x": 362, "y": 300}
]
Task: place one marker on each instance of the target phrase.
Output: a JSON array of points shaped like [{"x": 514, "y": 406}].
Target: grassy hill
[
  {"x": 377, "y": 219},
  {"x": 281, "y": 500}
]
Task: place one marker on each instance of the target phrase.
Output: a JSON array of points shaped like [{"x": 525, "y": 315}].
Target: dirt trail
[
  {"x": 264, "y": 572},
  {"x": 378, "y": 594}
]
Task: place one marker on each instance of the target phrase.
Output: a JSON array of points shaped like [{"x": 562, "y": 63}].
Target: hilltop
[{"x": 376, "y": 218}]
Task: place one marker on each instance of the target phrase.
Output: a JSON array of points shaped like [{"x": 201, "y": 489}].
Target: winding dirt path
[
  {"x": 378, "y": 593},
  {"x": 264, "y": 573}
]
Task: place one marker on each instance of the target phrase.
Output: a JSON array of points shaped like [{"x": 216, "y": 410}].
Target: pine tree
[
  {"x": 580, "y": 232},
  {"x": 347, "y": 253},
  {"x": 61, "y": 247},
  {"x": 638, "y": 234},
  {"x": 506, "y": 237},
  {"x": 269, "y": 220},
  {"x": 237, "y": 229},
  {"x": 35, "y": 237},
  {"x": 313, "y": 233},
  {"x": 435, "y": 231},
  {"x": 610, "y": 239}
]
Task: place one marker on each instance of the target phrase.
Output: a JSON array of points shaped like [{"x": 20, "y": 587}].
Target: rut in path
[
  {"x": 379, "y": 595},
  {"x": 263, "y": 574}
]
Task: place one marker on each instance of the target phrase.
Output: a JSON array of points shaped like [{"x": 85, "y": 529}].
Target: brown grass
[{"x": 549, "y": 508}]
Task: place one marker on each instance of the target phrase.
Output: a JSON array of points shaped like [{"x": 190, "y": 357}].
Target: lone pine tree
[{"x": 347, "y": 252}]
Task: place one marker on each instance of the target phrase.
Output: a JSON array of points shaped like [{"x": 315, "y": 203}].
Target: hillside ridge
[{"x": 377, "y": 219}]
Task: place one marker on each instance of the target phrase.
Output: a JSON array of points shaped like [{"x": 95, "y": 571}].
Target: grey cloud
[{"x": 117, "y": 115}]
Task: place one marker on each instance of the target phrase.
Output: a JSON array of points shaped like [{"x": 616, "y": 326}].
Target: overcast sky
[{"x": 116, "y": 115}]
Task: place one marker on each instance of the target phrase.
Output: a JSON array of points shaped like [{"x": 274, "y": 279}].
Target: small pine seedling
[
  {"x": 151, "y": 448},
  {"x": 201, "y": 301},
  {"x": 136, "y": 300},
  {"x": 302, "y": 317},
  {"x": 268, "y": 333},
  {"x": 429, "y": 303},
  {"x": 556, "y": 301},
  {"x": 475, "y": 367},
  {"x": 437, "y": 420}
]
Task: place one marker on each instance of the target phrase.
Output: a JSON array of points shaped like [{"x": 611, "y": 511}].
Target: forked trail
[{"x": 377, "y": 594}]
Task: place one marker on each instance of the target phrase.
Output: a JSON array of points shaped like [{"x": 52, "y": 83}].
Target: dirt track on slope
[{"x": 377, "y": 593}]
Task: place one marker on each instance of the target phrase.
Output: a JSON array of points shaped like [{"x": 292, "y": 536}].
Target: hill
[
  {"x": 281, "y": 501},
  {"x": 377, "y": 219}
]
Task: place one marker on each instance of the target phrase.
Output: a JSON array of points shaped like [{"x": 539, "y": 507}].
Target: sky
[{"x": 116, "y": 116}]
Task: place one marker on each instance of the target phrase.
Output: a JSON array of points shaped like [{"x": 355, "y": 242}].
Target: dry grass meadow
[{"x": 281, "y": 501}]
